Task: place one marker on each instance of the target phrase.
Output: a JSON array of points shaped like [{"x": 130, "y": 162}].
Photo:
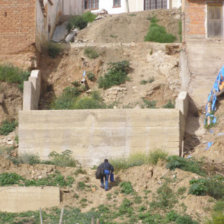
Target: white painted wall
[
  {"x": 108, "y": 5},
  {"x": 176, "y": 3},
  {"x": 136, "y": 5}
]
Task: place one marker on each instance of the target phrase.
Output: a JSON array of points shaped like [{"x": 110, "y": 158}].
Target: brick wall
[
  {"x": 17, "y": 25},
  {"x": 195, "y": 18}
]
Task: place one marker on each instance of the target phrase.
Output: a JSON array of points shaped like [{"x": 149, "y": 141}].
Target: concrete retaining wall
[
  {"x": 21, "y": 199},
  {"x": 31, "y": 91},
  {"x": 93, "y": 135},
  {"x": 182, "y": 103}
]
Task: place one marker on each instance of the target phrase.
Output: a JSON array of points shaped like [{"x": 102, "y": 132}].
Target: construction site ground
[{"x": 118, "y": 38}]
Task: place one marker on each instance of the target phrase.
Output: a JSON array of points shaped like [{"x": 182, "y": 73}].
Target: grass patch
[
  {"x": 54, "y": 49},
  {"x": 212, "y": 186},
  {"x": 7, "y": 127},
  {"x": 149, "y": 103},
  {"x": 126, "y": 188},
  {"x": 12, "y": 74},
  {"x": 139, "y": 159},
  {"x": 56, "y": 179},
  {"x": 116, "y": 75},
  {"x": 91, "y": 53},
  {"x": 169, "y": 105},
  {"x": 190, "y": 165},
  {"x": 91, "y": 76},
  {"x": 218, "y": 213},
  {"x": 165, "y": 198},
  {"x": 158, "y": 33}
]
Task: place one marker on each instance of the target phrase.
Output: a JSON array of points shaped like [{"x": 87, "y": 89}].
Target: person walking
[{"x": 107, "y": 170}]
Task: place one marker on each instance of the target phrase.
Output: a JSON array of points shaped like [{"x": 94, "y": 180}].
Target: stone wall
[
  {"x": 93, "y": 135},
  {"x": 17, "y": 25},
  {"x": 31, "y": 91},
  {"x": 22, "y": 199}
]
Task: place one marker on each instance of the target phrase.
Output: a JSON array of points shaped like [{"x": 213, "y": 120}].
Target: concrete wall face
[
  {"x": 22, "y": 199},
  {"x": 46, "y": 20},
  {"x": 17, "y": 25},
  {"x": 31, "y": 91},
  {"x": 93, "y": 135},
  {"x": 72, "y": 7}
]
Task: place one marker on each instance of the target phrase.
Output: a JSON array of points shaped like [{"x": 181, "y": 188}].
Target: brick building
[
  {"x": 26, "y": 23},
  {"x": 204, "y": 19}
]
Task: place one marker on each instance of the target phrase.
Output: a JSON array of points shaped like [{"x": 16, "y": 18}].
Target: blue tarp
[{"x": 212, "y": 98}]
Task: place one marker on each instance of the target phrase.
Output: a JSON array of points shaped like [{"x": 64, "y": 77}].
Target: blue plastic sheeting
[
  {"x": 209, "y": 145},
  {"x": 212, "y": 98}
]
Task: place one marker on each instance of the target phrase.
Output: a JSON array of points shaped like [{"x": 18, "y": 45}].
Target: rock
[{"x": 70, "y": 37}]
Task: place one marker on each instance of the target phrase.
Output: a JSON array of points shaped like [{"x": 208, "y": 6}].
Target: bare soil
[{"x": 130, "y": 27}]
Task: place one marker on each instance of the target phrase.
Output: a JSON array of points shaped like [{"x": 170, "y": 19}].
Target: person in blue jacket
[{"x": 108, "y": 169}]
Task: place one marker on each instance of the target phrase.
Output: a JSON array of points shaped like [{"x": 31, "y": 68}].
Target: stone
[{"x": 60, "y": 32}]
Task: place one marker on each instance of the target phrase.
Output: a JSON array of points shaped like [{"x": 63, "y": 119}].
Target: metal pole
[
  {"x": 41, "y": 218},
  {"x": 61, "y": 215}
]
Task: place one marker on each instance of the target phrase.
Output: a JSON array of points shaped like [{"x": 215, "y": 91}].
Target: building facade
[{"x": 204, "y": 19}]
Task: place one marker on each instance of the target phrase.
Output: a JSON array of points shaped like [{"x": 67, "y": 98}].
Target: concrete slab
[
  {"x": 60, "y": 32},
  {"x": 22, "y": 199}
]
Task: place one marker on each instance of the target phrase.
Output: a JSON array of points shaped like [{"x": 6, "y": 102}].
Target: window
[
  {"x": 215, "y": 20},
  {"x": 91, "y": 4},
  {"x": 155, "y": 4},
  {"x": 117, "y": 3}
]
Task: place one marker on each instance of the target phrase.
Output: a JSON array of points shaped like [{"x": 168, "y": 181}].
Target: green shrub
[
  {"x": 81, "y": 186},
  {"x": 126, "y": 187},
  {"x": 218, "y": 213},
  {"x": 63, "y": 159},
  {"x": 7, "y": 127},
  {"x": 76, "y": 83},
  {"x": 172, "y": 216},
  {"x": 90, "y": 52},
  {"x": 213, "y": 186},
  {"x": 143, "y": 82},
  {"x": 116, "y": 75},
  {"x": 67, "y": 99},
  {"x": 91, "y": 76},
  {"x": 165, "y": 197},
  {"x": 88, "y": 103},
  {"x": 186, "y": 219},
  {"x": 10, "y": 179},
  {"x": 169, "y": 105},
  {"x": 150, "y": 103},
  {"x": 181, "y": 190},
  {"x": 89, "y": 17},
  {"x": 190, "y": 165},
  {"x": 76, "y": 22},
  {"x": 54, "y": 49},
  {"x": 12, "y": 74},
  {"x": 158, "y": 33}
]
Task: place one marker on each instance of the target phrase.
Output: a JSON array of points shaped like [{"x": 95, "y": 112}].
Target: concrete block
[{"x": 22, "y": 199}]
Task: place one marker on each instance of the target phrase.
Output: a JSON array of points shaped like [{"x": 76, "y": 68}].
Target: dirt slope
[
  {"x": 130, "y": 27},
  {"x": 145, "y": 180}
]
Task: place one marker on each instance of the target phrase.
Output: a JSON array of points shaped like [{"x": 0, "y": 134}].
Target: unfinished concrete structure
[
  {"x": 203, "y": 34},
  {"x": 93, "y": 135},
  {"x": 21, "y": 199}
]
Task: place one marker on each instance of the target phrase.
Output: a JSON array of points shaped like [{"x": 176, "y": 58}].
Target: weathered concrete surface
[
  {"x": 31, "y": 91},
  {"x": 205, "y": 59},
  {"x": 93, "y": 135},
  {"x": 21, "y": 199}
]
